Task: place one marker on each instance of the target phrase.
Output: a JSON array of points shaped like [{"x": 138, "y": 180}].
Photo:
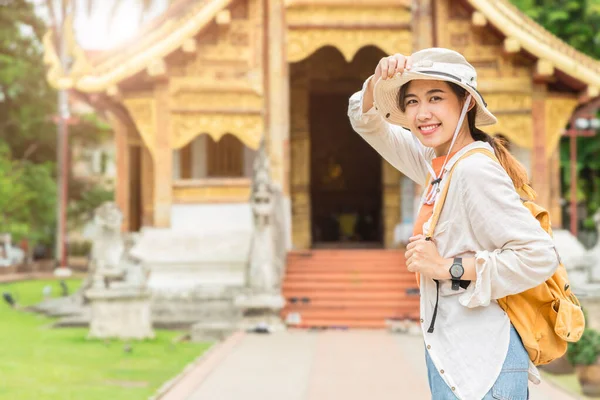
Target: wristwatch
[{"x": 456, "y": 272}]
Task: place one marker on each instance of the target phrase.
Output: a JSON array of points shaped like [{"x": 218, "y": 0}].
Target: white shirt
[{"x": 482, "y": 217}]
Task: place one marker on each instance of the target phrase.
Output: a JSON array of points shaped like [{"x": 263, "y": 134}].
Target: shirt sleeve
[
  {"x": 519, "y": 254},
  {"x": 394, "y": 143}
]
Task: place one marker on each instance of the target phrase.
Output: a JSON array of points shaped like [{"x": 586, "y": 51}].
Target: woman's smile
[{"x": 428, "y": 129}]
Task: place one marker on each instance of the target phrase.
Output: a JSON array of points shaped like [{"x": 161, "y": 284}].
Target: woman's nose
[{"x": 423, "y": 114}]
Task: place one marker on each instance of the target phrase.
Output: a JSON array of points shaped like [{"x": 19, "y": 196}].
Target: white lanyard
[{"x": 436, "y": 180}]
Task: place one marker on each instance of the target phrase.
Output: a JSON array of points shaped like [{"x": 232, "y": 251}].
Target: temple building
[{"x": 192, "y": 95}]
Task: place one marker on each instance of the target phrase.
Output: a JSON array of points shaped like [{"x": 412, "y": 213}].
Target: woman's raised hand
[
  {"x": 390, "y": 66},
  {"x": 386, "y": 68}
]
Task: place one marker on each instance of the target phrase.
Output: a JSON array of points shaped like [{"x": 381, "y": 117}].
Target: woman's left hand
[{"x": 423, "y": 256}]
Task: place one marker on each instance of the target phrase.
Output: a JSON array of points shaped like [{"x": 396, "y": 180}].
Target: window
[{"x": 225, "y": 158}]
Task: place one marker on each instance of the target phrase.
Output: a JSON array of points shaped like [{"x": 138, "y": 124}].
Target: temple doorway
[{"x": 346, "y": 177}]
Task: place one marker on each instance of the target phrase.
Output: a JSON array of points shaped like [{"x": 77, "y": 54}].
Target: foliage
[
  {"x": 586, "y": 350},
  {"x": 89, "y": 197},
  {"x": 27, "y": 197},
  {"x": 42, "y": 363},
  {"x": 577, "y": 22}
]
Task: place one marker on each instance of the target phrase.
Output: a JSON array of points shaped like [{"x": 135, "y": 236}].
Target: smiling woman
[{"x": 422, "y": 114}]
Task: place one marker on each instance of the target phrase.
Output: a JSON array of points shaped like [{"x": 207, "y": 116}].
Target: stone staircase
[{"x": 348, "y": 288}]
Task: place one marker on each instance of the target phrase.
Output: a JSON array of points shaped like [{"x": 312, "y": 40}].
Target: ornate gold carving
[
  {"x": 558, "y": 110},
  {"x": 478, "y": 19},
  {"x": 143, "y": 113},
  {"x": 512, "y": 45},
  {"x": 223, "y": 17},
  {"x": 325, "y": 14},
  {"x": 499, "y": 102},
  {"x": 217, "y": 101},
  {"x": 211, "y": 193},
  {"x": 534, "y": 39},
  {"x": 157, "y": 67},
  {"x": 56, "y": 75},
  {"x": 232, "y": 42},
  {"x": 157, "y": 43},
  {"x": 544, "y": 68},
  {"x": 189, "y": 46},
  {"x": 300, "y": 163},
  {"x": 391, "y": 201},
  {"x": 303, "y": 42},
  {"x": 185, "y": 127},
  {"x": 518, "y": 128},
  {"x": 240, "y": 82}
]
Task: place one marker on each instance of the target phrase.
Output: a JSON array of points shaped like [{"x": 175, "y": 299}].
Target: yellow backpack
[{"x": 546, "y": 316}]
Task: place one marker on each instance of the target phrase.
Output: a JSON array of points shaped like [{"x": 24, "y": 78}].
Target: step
[
  {"x": 349, "y": 276},
  {"x": 343, "y": 323},
  {"x": 348, "y": 286},
  {"x": 357, "y": 295},
  {"x": 352, "y": 303},
  {"x": 362, "y": 314}
]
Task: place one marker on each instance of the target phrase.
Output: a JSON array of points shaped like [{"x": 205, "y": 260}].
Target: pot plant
[{"x": 585, "y": 356}]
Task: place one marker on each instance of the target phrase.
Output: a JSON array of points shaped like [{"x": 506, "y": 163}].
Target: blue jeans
[{"x": 510, "y": 385}]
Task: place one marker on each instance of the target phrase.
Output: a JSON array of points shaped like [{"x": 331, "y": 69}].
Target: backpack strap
[
  {"x": 437, "y": 210},
  {"x": 439, "y": 204}
]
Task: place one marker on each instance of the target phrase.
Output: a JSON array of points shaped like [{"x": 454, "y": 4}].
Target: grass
[
  {"x": 38, "y": 362},
  {"x": 567, "y": 382}
]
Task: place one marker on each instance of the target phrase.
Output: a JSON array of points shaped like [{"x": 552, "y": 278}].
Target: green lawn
[
  {"x": 569, "y": 382},
  {"x": 37, "y": 362}
]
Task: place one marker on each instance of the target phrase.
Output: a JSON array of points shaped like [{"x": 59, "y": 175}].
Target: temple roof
[
  {"x": 184, "y": 19},
  {"x": 536, "y": 40}
]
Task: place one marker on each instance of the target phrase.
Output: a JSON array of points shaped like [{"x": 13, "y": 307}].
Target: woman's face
[{"x": 433, "y": 110}]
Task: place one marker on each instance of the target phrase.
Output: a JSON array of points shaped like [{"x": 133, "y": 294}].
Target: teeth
[{"x": 428, "y": 128}]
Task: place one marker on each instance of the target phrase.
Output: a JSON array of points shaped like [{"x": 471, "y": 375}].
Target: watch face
[{"x": 456, "y": 270}]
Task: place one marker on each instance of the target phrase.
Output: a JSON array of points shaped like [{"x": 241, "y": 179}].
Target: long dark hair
[{"x": 511, "y": 165}]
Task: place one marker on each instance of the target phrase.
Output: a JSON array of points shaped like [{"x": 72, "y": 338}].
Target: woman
[{"x": 421, "y": 113}]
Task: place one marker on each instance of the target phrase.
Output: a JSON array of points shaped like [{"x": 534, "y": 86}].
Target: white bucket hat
[{"x": 432, "y": 64}]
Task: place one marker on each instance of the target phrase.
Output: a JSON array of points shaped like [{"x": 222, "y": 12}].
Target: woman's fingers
[
  {"x": 392, "y": 66},
  {"x": 383, "y": 65}
]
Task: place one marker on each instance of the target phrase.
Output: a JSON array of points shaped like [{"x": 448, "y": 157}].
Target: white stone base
[{"x": 120, "y": 314}]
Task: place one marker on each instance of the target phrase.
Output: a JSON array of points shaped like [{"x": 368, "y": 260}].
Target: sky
[{"x": 96, "y": 32}]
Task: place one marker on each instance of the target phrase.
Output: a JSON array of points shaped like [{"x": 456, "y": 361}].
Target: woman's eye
[
  {"x": 436, "y": 98},
  {"x": 409, "y": 102}
]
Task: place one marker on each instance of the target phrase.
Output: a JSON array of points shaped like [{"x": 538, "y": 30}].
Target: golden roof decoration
[
  {"x": 184, "y": 19},
  {"x": 536, "y": 40}
]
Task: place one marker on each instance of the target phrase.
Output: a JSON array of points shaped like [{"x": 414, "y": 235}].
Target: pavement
[{"x": 316, "y": 365}]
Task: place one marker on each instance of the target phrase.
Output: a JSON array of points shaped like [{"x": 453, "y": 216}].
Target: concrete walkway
[{"x": 326, "y": 365}]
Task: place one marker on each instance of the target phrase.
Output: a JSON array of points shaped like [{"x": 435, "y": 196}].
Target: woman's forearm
[{"x": 368, "y": 97}]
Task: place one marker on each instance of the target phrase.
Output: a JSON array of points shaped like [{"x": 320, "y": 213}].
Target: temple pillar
[
  {"x": 278, "y": 122},
  {"x": 423, "y": 28},
  {"x": 163, "y": 159},
  {"x": 391, "y": 202},
  {"x": 147, "y": 189},
  {"x": 300, "y": 158},
  {"x": 539, "y": 161},
  {"x": 122, "y": 194},
  {"x": 555, "y": 189}
]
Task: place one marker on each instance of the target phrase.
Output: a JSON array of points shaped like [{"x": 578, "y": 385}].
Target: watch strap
[{"x": 456, "y": 280}]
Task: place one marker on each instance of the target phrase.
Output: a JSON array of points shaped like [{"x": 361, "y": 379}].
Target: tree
[
  {"x": 27, "y": 200},
  {"x": 27, "y": 138},
  {"x": 577, "y": 22}
]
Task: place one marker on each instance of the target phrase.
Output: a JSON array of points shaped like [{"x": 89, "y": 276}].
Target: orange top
[{"x": 426, "y": 210}]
